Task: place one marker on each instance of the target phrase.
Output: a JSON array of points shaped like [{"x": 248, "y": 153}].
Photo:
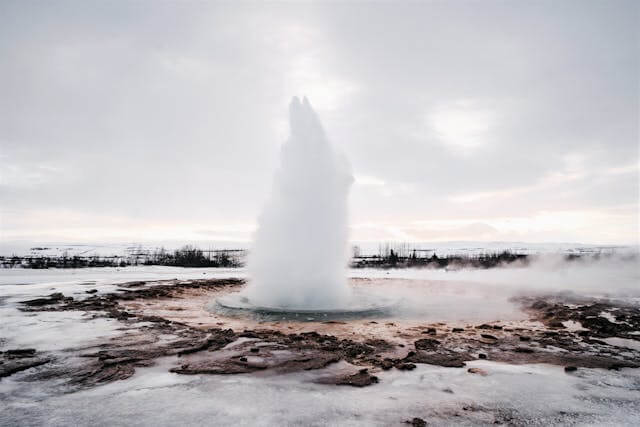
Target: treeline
[
  {"x": 391, "y": 259},
  {"x": 191, "y": 256},
  {"x": 38, "y": 262},
  {"x": 187, "y": 256}
]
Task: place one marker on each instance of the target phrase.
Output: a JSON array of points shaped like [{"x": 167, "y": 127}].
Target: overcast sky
[{"x": 463, "y": 120}]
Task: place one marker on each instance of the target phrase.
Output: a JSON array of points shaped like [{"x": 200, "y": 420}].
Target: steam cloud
[{"x": 299, "y": 255}]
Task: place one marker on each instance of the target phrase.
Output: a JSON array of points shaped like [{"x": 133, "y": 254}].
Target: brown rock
[
  {"x": 477, "y": 371},
  {"x": 360, "y": 379},
  {"x": 427, "y": 344},
  {"x": 387, "y": 364},
  {"x": 406, "y": 366},
  {"x": 447, "y": 359}
]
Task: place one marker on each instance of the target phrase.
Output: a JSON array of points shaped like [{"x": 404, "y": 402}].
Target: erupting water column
[{"x": 299, "y": 256}]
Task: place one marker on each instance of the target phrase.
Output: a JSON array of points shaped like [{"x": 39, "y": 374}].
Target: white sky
[{"x": 463, "y": 120}]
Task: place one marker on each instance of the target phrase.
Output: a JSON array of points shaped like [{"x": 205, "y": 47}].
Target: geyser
[{"x": 299, "y": 256}]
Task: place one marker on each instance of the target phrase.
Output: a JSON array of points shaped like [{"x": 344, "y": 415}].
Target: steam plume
[{"x": 299, "y": 255}]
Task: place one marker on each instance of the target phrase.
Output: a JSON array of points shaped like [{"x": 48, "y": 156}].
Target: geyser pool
[
  {"x": 299, "y": 255},
  {"x": 359, "y": 305}
]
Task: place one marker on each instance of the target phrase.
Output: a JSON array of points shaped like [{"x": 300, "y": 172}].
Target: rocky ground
[{"x": 168, "y": 319}]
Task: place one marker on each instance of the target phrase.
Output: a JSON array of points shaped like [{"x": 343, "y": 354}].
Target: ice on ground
[
  {"x": 610, "y": 317},
  {"x": 530, "y": 394},
  {"x": 525, "y": 394},
  {"x": 100, "y": 275},
  {"x": 572, "y": 325},
  {"x": 49, "y": 330},
  {"x": 623, "y": 342}
]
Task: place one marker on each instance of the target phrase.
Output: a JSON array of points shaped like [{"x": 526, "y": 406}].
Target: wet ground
[{"x": 449, "y": 353}]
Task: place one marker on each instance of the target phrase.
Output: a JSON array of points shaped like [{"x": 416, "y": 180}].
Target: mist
[
  {"x": 614, "y": 275},
  {"x": 299, "y": 253},
  {"x": 477, "y": 295}
]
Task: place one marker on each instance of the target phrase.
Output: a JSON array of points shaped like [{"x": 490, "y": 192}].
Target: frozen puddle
[
  {"x": 50, "y": 330},
  {"x": 536, "y": 394}
]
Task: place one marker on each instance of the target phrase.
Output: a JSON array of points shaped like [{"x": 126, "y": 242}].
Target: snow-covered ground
[
  {"x": 58, "y": 330},
  {"x": 105, "y": 275},
  {"x": 526, "y": 394},
  {"x": 533, "y": 394}
]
